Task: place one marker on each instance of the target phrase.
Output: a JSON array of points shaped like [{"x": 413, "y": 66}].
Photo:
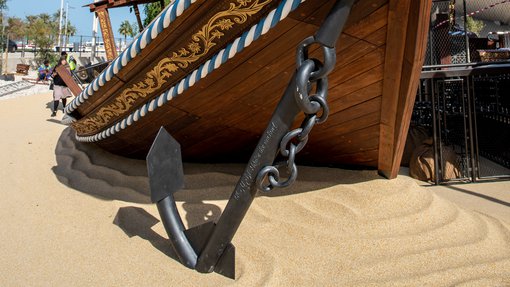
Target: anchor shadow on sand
[
  {"x": 365, "y": 216},
  {"x": 93, "y": 171}
]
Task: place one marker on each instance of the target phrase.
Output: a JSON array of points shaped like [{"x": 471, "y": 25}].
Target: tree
[
  {"x": 475, "y": 26},
  {"x": 3, "y": 6},
  {"x": 16, "y": 28},
  {"x": 151, "y": 11},
  {"x": 126, "y": 29},
  {"x": 40, "y": 30},
  {"x": 69, "y": 30}
]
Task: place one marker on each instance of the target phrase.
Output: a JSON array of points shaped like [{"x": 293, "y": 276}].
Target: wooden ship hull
[{"x": 212, "y": 72}]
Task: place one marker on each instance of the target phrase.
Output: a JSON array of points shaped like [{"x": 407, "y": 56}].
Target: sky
[{"x": 80, "y": 17}]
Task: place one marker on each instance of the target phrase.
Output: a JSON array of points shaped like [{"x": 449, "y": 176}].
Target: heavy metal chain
[{"x": 311, "y": 75}]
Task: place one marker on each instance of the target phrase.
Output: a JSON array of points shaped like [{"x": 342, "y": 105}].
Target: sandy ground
[{"x": 72, "y": 215}]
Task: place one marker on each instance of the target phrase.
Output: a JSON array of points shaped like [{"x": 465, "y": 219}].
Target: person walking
[{"x": 60, "y": 89}]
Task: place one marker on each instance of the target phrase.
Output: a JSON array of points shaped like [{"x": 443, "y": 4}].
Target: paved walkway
[{"x": 495, "y": 196}]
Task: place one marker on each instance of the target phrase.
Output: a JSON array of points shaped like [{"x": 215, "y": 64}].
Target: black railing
[
  {"x": 460, "y": 128},
  {"x": 466, "y": 111}
]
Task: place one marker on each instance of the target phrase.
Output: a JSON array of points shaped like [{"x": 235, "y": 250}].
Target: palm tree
[
  {"x": 70, "y": 31},
  {"x": 125, "y": 29}
]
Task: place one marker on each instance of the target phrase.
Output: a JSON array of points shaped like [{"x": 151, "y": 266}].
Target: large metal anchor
[{"x": 207, "y": 248}]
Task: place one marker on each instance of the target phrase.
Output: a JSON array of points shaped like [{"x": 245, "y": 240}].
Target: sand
[{"x": 73, "y": 215}]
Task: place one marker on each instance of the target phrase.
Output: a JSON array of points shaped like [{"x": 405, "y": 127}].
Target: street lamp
[{"x": 65, "y": 29}]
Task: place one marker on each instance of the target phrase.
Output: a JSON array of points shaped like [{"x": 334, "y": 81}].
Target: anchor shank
[{"x": 246, "y": 189}]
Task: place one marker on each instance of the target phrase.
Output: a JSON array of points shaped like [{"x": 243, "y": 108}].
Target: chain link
[{"x": 311, "y": 73}]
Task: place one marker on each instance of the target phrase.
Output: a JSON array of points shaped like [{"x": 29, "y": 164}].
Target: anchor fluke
[
  {"x": 164, "y": 165},
  {"x": 166, "y": 176}
]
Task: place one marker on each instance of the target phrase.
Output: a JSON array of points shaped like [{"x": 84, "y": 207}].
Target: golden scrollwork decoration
[{"x": 201, "y": 43}]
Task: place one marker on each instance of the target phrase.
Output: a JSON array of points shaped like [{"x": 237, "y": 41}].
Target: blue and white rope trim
[
  {"x": 261, "y": 28},
  {"x": 167, "y": 16}
]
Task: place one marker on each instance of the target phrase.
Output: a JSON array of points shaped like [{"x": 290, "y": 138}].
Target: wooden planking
[
  {"x": 355, "y": 54},
  {"x": 366, "y": 158},
  {"x": 369, "y": 77},
  {"x": 308, "y": 12},
  {"x": 378, "y": 38},
  {"x": 142, "y": 60},
  {"x": 362, "y": 9},
  {"x": 265, "y": 105},
  {"x": 362, "y": 95},
  {"x": 240, "y": 144},
  {"x": 356, "y": 141},
  {"x": 416, "y": 45},
  {"x": 145, "y": 128},
  {"x": 241, "y": 85},
  {"x": 152, "y": 75},
  {"x": 360, "y": 122},
  {"x": 397, "y": 29},
  {"x": 359, "y": 11},
  {"x": 260, "y": 106},
  {"x": 352, "y": 133},
  {"x": 259, "y": 103},
  {"x": 66, "y": 76},
  {"x": 369, "y": 24},
  {"x": 367, "y": 62},
  {"x": 354, "y": 112}
]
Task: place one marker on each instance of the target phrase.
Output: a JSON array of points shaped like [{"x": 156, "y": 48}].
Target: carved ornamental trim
[{"x": 200, "y": 44}]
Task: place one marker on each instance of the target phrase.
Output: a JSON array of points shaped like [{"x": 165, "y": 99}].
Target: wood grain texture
[
  {"x": 398, "y": 15},
  {"x": 222, "y": 116},
  {"x": 416, "y": 46}
]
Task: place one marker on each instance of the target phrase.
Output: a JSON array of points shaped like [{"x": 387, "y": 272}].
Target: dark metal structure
[
  {"x": 467, "y": 109},
  {"x": 463, "y": 95},
  {"x": 208, "y": 248}
]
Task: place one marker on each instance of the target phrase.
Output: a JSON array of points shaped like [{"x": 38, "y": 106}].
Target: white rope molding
[
  {"x": 261, "y": 28},
  {"x": 167, "y": 16}
]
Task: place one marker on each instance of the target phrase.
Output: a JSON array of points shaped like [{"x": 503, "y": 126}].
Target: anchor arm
[{"x": 166, "y": 176}]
